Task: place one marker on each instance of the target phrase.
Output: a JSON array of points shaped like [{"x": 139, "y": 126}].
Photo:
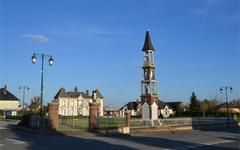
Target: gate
[{"x": 69, "y": 124}]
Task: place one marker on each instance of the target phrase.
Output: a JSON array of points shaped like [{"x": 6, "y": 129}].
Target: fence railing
[
  {"x": 171, "y": 122},
  {"x": 76, "y": 123},
  {"x": 72, "y": 123},
  {"x": 38, "y": 122}
]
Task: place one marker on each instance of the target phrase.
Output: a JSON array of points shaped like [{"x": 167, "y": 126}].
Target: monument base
[{"x": 151, "y": 123}]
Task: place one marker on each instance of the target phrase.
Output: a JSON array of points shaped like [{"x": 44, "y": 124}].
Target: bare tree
[{"x": 35, "y": 104}]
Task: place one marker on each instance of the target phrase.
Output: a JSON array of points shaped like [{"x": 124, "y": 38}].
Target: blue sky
[{"x": 97, "y": 44}]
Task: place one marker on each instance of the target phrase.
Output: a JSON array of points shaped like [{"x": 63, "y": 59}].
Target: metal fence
[
  {"x": 79, "y": 123},
  {"x": 38, "y": 122},
  {"x": 171, "y": 122},
  {"x": 71, "y": 123}
]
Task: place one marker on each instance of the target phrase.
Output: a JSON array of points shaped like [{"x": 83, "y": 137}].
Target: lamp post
[
  {"x": 226, "y": 88},
  {"x": 24, "y": 89},
  {"x": 50, "y": 61}
]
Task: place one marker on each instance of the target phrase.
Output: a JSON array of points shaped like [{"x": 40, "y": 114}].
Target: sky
[{"x": 97, "y": 45}]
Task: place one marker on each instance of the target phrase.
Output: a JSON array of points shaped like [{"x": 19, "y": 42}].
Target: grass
[{"x": 112, "y": 122}]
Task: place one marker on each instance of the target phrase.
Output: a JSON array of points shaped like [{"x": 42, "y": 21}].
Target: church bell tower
[{"x": 149, "y": 95}]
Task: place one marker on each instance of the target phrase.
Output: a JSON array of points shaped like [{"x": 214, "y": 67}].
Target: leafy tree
[
  {"x": 194, "y": 104},
  {"x": 180, "y": 108}
]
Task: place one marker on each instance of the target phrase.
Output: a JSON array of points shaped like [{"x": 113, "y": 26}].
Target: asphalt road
[{"x": 16, "y": 139}]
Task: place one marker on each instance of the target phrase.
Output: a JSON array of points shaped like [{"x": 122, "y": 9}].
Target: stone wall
[
  {"x": 53, "y": 114},
  {"x": 94, "y": 113}
]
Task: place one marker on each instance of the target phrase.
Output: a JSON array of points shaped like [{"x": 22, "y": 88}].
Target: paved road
[{"x": 12, "y": 139}]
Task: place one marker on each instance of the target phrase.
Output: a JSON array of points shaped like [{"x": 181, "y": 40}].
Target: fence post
[
  {"x": 53, "y": 115},
  {"x": 127, "y": 118},
  {"x": 93, "y": 115}
]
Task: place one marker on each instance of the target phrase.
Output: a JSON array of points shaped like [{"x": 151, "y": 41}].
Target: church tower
[{"x": 149, "y": 95}]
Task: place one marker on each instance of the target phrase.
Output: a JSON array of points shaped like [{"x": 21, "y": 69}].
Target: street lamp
[
  {"x": 50, "y": 61},
  {"x": 24, "y": 89},
  {"x": 226, "y": 88}
]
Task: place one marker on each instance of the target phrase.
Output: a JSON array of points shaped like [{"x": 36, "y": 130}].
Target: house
[
  {"x": 111, "y": 112},
  {"x": 177, "y": 106},
  {"x": 74, "y": 103},
  {"x": 232, "y": 108},
  {"x": 164, "y": 109},
  {"x": 9, "y": 103},
  {"x": 133, "y": 107},
  {"x": 24, "y": 107}
]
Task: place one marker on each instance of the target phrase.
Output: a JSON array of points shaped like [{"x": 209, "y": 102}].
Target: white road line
[
  {"x": 2, "y": 144},
  {"x": 205, "y": 144},
  {"x": 192, "y": 146},
  {"x": 218, "y": 142},
  {"x": 15, "y": 141}
]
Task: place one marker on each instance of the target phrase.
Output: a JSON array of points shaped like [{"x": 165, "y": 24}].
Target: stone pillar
[
  {"x": 127, "y": 118},
  {"x": 94, "y": 113},
  {"x": 53, "y": 115}
]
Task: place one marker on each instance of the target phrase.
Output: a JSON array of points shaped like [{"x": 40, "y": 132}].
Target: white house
[
  {"x": 133, "y": 107},
  {"x": 165, "y": 110},
  {"x": 74, "y": 103},
  {"x": 9, "y": 103}
]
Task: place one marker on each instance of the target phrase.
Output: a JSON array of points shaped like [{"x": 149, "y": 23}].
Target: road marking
[
  {"x": 218, "y": 142},
  {"x": 193, "y": 146},
  {"x": 2, "y": 128},
  {"x": 2, "y": 144},
  {"x": 206, "y": 144},
  {"x": 15, "y": 141}
]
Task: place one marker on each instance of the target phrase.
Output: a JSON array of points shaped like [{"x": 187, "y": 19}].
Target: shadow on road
[
  {"x": 58, "y": 141},
  {"x": 176, "y": 144}
]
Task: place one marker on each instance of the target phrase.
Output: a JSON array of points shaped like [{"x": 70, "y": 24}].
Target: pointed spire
[{"x": 147, "y": 43}]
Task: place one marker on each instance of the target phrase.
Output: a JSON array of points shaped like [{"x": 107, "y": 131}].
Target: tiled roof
[
  {"x": 98, "y": 94},
  {"x": 73, "y": 94},
  {"x": 174, "y": 105},
  {"x": 130, "y": 106},
  {"x": 161, "y": 105},
  {"x": 60, "y": 93},
  {"x": 6, "y": 95}
]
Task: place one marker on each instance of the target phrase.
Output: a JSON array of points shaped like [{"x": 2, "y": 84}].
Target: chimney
[
  {"x": 75, "y": 89},
  {"x": 87, "y": 92},
  {"x": 5, "y": 90},
  {"x": 94, "y": 95}
]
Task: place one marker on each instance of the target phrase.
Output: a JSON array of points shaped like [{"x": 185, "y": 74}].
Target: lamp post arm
[{"x": 38, "y": 54}]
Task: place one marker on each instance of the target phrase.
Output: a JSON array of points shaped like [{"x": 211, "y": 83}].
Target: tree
[
  {"x": 213, "y": 106},
  {"x": 194, "y": 104},
  {"x": 204, "y": 106},
  {"x": 236, "y": 103},
  {"x": 35, "y": 104}
]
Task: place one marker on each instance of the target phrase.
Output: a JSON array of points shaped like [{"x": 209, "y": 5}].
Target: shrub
[
  {"x": 1, "y": 112},
  {"x": 14, "y": 117}
]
